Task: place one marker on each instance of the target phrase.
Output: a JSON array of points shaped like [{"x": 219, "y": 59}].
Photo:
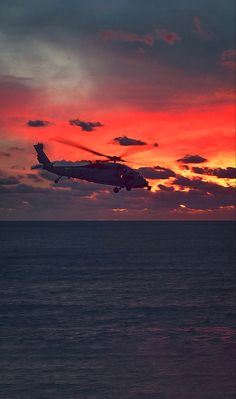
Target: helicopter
[{"x": 110, "y": 171}]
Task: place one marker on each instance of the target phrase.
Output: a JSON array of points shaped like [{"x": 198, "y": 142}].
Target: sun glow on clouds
[
  {"x": 120, "y": 210},
  {"x": 171, "y": 85}
]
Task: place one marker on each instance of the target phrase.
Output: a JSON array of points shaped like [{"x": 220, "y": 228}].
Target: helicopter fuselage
[
  {"x": 114, "y": 174},
  {"x": 102, "y": 172}
]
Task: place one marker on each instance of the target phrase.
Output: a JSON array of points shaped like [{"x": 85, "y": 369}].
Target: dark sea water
[{"x": 117, "y": 310}]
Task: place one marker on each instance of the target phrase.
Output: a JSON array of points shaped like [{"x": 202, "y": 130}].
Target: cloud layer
[
  {"x": 163, "y": 70},
  {"x": 127, "y": 141},
  {"x": 86, "y": 126},
  {"x": 228, "y": 173},
  {"x": 192, "y": 159},
  {"x": 38, "y": 123}
]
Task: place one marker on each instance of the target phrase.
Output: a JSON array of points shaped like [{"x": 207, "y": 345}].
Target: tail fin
[{"x": 42, "y": 157}]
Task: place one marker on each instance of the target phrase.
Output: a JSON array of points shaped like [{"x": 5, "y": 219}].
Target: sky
[{"x": 114, "y": 75}]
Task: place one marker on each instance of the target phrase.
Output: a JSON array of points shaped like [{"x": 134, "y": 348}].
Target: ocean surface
[{"x": 117, "y": 310}]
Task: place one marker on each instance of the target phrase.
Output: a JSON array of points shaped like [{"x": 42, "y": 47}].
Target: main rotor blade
[
  {"x": 77, "y": 145},
  {"x": 134, "y": 163},
  {"x": 132, "y": 150},
  {"x": 144, "y": 164}
]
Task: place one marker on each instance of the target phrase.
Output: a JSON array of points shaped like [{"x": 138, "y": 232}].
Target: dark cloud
[
  {"x": 228, "y": 173},
  {"x": 203, "y": 186},
  {"x": 126, "y": 141},
  {"x": 5, "y": 154},
  {"x": 165, "y": 188},
  {"x": 38, "y": 123},
  {"x": 200, "y": 171},
  {"x": 37, "y": 166},
  {"x": 47, "y": 175},
  {"x": 22, "y": 188},
  {"x": 194, "y": 199},
  {"x": 48, "y": 203},
  {"x": 192, "y": 159},
  {"x": 15, "y": 148},
  {"x": 93, "y": 201},
  {"x": 156, "y": 173},
  {"x": 86, "y": 126},
  {"x": 34, "y": 178},
  {"x": 51, "y": 201},
  {"x": 8, "y": 180},
  {"x": 168, "y": 172}
]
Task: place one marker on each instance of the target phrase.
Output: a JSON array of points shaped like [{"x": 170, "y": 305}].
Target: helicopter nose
[
  {"x": 147, "y": 185},
  {"x": 143, "y": 182}
]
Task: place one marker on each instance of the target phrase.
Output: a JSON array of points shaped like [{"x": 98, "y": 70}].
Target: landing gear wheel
[
  {"x": 57, "y": 180},
  {"x": 149, "y": 188},
  {"x": 116, "y": 190},
  {"x": 128, "y": 188}
]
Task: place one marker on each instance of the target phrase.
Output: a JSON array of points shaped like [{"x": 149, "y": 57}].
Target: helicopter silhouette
[{"x": 111, "y": 171}]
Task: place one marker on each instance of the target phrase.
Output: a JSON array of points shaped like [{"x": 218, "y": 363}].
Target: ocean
[{"x": 117, "y": 310}]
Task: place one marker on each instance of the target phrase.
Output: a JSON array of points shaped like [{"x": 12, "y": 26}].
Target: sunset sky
[{"x": 112, "y": 75}]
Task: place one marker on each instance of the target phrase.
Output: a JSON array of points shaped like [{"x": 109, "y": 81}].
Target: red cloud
[
  {"x": 201, "y": 29},
  {"x": 168, "y": 37},
  {"x": 129, "y": 37},
  {"x": 228, "y": 59},
  {"x": 17, "y": 93}
]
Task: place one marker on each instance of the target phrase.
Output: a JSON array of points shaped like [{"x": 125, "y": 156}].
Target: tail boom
[{"x": 42, "y": 157}]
